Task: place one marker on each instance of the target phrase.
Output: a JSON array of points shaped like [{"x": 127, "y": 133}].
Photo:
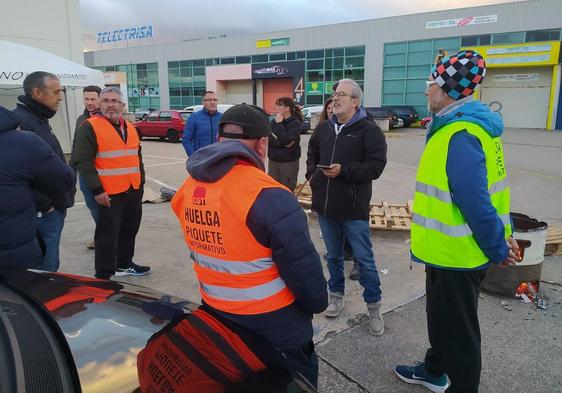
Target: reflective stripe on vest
[
  {"x": 258, "y": 292},
  {"x": 118, "y": 171},
  {"x": 117, "y": 161},
  {"x": 232, "y": 267},
  {"x": 117, "y": 153},
  {"x": 440, "y": 234},
  {"x": 445, "y": 196},
  {"x": 236, "y": 273},
  {"x": 449, "y": 230}
]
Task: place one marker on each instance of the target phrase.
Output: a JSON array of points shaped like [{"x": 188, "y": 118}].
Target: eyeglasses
[
  {"x": 114, "y": 101},
  {"x": 211, "y": 99},
  {"x": 341, "y": 94},
  {"x": 428, "y": 84}
]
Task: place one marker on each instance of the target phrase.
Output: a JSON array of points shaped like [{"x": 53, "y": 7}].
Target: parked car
[
  {"x": 383, "y": 113},
  {"x": 425, "y": 121},
  {"x": 194, "y": 108},
  {"x": 307, "y": 116},
  {"x": 142, "y": 113},
  {"x": 165, "y": 124},
  {"x": 405, "y": 112},
  {"x": 67, "y": 333}
]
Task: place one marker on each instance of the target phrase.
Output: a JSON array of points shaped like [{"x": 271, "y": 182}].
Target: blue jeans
[
  {"x": 91, "y": 203},
  {"x": 50, "y": 227},
  {"x": 359, "y": 235}
]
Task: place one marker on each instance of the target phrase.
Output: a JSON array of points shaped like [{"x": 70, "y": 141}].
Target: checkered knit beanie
[{"x": 459, "y": 74}]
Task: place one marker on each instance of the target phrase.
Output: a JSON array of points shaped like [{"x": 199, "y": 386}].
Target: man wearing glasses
[
  {"x": 345, "y": 155},
  {"x": 108, "y": 156},
  {"x": 202, "y": 126}
]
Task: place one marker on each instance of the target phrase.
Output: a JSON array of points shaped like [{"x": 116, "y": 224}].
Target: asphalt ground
[{"x": 514, "y": 346}]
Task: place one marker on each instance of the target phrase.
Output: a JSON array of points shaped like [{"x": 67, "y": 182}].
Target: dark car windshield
[{"x": 184, "y": 115}]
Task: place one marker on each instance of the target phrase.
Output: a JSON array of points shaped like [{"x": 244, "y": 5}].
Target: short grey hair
[
  {"x": 112, "y": 89},
  {"x": 355, "y": 89}
]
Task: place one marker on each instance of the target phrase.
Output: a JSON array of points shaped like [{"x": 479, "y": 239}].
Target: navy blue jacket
[
  {"x": 27, "y": 163},
  {"x": 201, "y": 129},
  {"x": 468, "y": 176},
  {"x": 31, "y": 120},
  {"x": 278, "y": 222}
]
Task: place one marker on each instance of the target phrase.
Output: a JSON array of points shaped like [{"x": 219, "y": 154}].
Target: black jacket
[
  {"x": 32, "y": 118},
  {"x": 289, "y": 130},
  {"x": 81, "y": 119},
  {"x": 27, "y": 163},
  {"x": 360, "y": 148}
]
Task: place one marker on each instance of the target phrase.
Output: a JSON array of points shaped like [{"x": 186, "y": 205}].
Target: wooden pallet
[
  {"x": 391, "y": 216},
  {"x": 553, "y": 241},
  {"x": 383, "y": 215}
]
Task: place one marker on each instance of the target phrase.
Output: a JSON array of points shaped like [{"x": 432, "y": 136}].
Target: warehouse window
[
  {"x": 277, "y": 56},
  {"x": 243, "y": 59},
  {"x": 543, "y": 35},
  {"x": 406, "y": 66},
  {"x": 508, "y": 38},
  {"x": 476, "y": 40},
  {"x": 143, "y": 89}
]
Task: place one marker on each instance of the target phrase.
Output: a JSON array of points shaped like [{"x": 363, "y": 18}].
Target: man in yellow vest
[
  {"x": 461, "y": 222},
  {"x": 249, "y": 240},
  {"x": 108, "y": 156}
]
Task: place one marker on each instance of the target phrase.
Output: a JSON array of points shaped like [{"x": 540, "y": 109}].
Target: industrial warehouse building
[{"x": 389, "y": 57}]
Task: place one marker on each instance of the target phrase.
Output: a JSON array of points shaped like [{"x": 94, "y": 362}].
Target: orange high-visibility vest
[
  {"x": 198, "y": 354},
  {"x": 117, "y": 161},
  {"x": 236, "y": 273}
]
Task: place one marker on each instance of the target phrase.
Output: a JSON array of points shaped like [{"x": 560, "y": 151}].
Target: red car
[
  {"x": 425, "y": 121},
  {"x": 164, "y": 124}
]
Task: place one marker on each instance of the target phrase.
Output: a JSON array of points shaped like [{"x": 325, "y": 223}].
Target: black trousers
[
  {"x": 452, "y": 323},
  {"x": 304, "y": 360},
  {"x": 116, "y": 231}
]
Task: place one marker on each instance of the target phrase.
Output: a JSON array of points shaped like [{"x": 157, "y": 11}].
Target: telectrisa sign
[
  {"x": 460, "y": 22},
  {"x": 125, "y": 34}
]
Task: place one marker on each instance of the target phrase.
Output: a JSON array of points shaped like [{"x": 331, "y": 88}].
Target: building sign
[
  {"x": 282, "y": 69},
  {"x": 273, "y": 70},
  {"x": 519, "y": 55},
  {"x": 315, "y": 88},
  {"x": 520, "y": 49},
  {"x": 460, "y": 22},
  {"x": 519, "y": 59},
  {"x": 144, "y": 92},
  {"x": 125, "y": 34},
  {"x": 516, "y": 77},
  {"x": 272, "y": 42}
]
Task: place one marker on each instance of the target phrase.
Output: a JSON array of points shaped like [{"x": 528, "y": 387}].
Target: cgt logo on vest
[{"x": 199, "y": 196}]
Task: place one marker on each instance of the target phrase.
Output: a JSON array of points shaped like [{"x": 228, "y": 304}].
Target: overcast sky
[{"x": 178, "y": 20}]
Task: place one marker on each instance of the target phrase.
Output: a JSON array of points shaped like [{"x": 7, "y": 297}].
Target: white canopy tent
[{"x": 17, "y": 61}]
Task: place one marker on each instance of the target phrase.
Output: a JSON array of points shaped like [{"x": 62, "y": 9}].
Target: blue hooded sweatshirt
[{"x": 468, "y": 182}]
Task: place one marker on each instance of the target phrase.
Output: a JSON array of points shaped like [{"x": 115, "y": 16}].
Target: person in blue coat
[
  {"x": 27, "y": 164},
  {"x": 201, "y": 128}
]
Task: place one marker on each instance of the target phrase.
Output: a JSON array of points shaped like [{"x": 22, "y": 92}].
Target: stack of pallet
[
  {"x": 553, "y": 241},
  {"x": 383, "y": 215}
]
